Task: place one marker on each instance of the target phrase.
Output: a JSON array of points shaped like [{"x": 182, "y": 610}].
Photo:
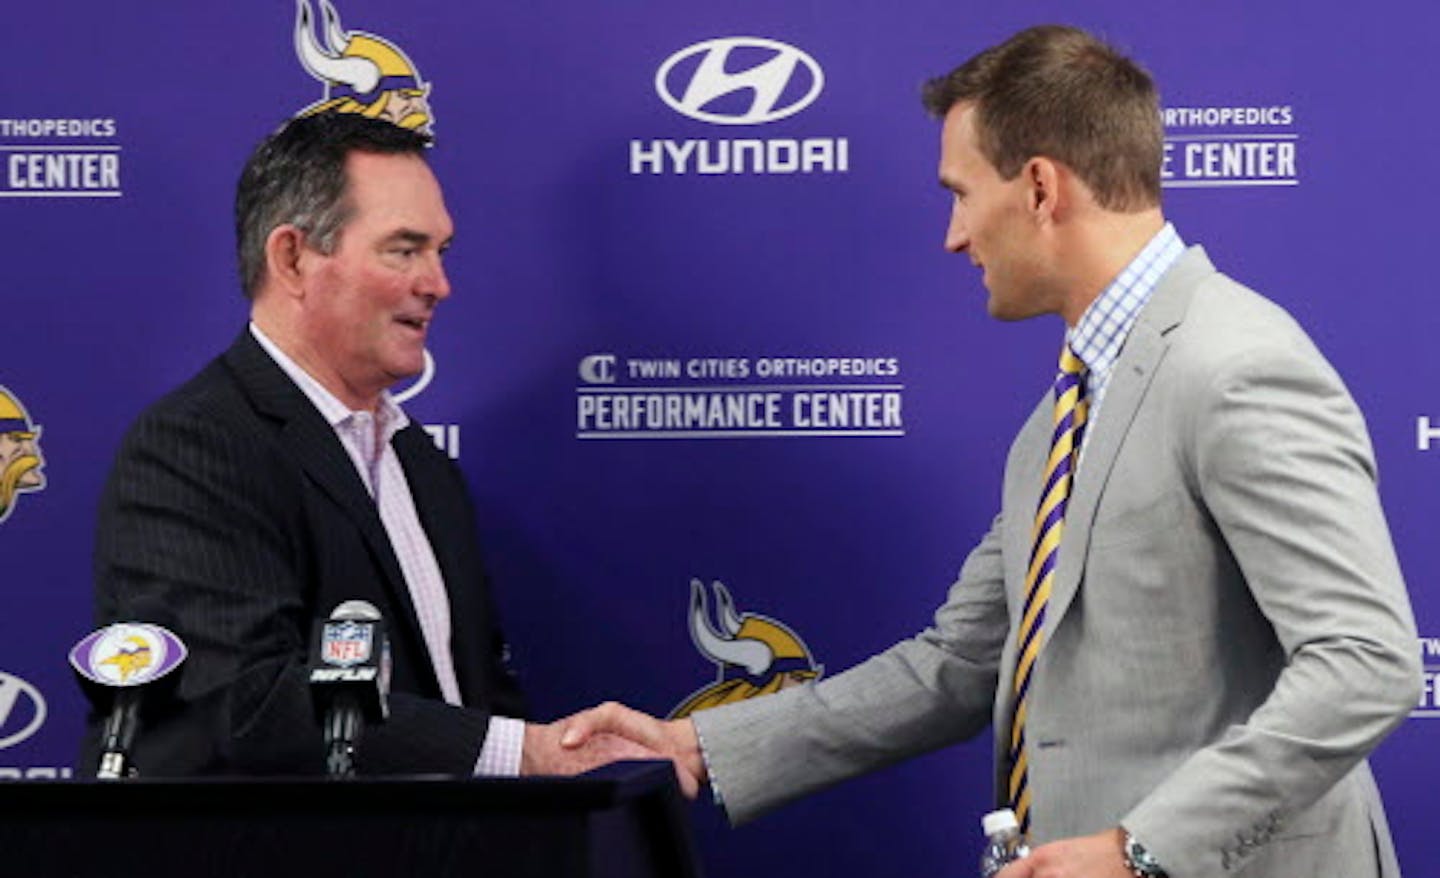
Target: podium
[{"x": 620, "y": 821}]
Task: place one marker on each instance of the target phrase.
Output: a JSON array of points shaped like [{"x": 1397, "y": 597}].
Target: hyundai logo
[
  {"x": 773, "y": 82},
  {"x": 19, "y": 703}
]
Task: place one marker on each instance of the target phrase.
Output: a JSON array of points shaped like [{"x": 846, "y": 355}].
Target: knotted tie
[{"x": 1070, "y": 408}]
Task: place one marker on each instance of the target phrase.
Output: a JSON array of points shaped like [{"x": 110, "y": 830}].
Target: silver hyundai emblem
[
  {"x": 769, "y": 80},
  {"x": 13, "y": 690}
]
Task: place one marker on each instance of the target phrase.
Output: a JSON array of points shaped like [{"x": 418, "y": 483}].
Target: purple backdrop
[{"x": 625, "y": 271}]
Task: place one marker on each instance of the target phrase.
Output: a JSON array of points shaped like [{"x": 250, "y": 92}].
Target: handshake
[{"x": 609, "y": 733}]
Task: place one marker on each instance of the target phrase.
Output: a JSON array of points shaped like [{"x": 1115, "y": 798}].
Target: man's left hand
[{"x": 1090, "y": 856}]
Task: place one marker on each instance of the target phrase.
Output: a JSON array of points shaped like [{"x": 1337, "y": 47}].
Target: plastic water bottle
[{"x": 1003, "y": 843}]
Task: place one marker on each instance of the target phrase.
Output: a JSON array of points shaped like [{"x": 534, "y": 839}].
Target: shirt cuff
[
  {"x": 504, "y": 743},
  {"x": 705, "y": 758}
]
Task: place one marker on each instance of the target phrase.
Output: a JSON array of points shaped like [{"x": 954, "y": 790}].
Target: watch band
[{"x": 1140, "y": 862}]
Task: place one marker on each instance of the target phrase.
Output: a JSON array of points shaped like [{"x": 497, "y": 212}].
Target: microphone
[
  {"x": 349, "y": 680},
  {"x": 117, "y": 667}
]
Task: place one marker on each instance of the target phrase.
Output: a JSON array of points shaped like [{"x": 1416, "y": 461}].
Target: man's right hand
[
  {"x": 675, "y": 739},
  {"x": 542, "y": 753}
]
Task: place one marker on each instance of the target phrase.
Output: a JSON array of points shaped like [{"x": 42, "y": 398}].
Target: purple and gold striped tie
[{"x": 1070, "y": 409}]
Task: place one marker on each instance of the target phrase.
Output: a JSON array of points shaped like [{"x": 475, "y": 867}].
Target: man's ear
[
  {"x": 1042, "y": 180},
  {"x": 285, "y": 254}
]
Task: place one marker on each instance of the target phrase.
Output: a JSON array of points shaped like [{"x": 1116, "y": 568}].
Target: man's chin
[
  {"x": 400, "y": 374},
  {"x": 403, "y": 371},
  {"x": 1008, "y": 310},
  {"x": 406, "y": 360},
  {"x": 1001, "y": 311}
]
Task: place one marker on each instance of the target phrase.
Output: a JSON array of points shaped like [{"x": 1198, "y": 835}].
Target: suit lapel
[
  {"x": 1130, "y": 380},
  {"x": 314, "y": 444}
]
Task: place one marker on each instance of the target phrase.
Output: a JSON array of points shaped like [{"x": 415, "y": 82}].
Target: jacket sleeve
[
  {"x": 1279, "y": 453},
  {"x": 921, "y": 694}
]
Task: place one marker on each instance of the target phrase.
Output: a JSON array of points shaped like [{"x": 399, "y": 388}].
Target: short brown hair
[
  {"x": 297, "y": 176},
  {"x": 1059, "y": 92}
]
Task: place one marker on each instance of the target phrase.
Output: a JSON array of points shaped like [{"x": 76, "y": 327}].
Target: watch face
[{"x": 1141, "y": 861}]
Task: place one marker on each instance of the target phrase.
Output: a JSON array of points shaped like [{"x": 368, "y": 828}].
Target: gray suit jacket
[{"x": 1228, "y": 634}]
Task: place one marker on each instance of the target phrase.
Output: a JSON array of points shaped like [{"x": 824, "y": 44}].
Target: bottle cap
[{"x": 999, "y": 821}]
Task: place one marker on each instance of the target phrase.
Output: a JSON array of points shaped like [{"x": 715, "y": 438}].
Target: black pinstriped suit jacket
[{"x": 233, "y": 505}]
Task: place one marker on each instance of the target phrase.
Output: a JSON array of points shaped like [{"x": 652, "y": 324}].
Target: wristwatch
[{"x": 1140, "y": 862}]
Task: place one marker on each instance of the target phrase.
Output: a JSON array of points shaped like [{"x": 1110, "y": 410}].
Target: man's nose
[
  {"x": 435, "y": 282},
  {"x": 957, "y": 236}
]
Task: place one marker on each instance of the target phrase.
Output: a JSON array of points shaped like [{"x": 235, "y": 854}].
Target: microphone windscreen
[{"x": 356, "y": 610}]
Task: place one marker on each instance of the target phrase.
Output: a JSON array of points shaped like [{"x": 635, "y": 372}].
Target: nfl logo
[{"x": 346, "y": 643}]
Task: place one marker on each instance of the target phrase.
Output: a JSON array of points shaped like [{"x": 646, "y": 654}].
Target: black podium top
[{"x": 623, "y": 820}]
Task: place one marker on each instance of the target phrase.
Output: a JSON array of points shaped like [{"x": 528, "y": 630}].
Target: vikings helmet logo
[
  {"x": 132, "y": 656},
  {"x": 20, "y": 459},
  {"x": 363, "y": 73},
  {"x": 755, "y": 655}
]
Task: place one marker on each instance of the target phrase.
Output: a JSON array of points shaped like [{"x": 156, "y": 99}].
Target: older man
[{"x": 283, "y": 480}]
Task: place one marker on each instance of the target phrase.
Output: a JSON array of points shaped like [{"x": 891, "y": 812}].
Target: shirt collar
[
  {"x": 1101, "y": 331},
  {"x": 391, "y": 417}
]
